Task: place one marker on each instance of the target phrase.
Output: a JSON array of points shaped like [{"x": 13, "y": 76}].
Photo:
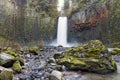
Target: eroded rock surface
[{"x": 92, "y": 56}]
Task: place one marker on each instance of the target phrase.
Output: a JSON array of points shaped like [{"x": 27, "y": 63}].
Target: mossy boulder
[
  {"x": 6, "y": 60},
  {"x": 34, "y": 50},
  {"x": 17, "y": 67},
  {"x": 6, "y": 74},
  {"x": 92, "y": 57},
  {"x": 115, "y": 51}
]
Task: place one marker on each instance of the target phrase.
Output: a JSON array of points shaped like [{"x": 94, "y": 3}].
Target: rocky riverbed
[
  {"x": 37, "y": 68},
  {"x": 41, "y": 65}
]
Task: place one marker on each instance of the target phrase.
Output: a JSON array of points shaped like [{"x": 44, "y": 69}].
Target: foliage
[{"x": 27, "y": 21}]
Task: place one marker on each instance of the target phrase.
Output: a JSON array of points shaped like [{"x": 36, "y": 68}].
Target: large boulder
[
  {"x": 6, "y": 74},
  {"x": 6, "y": 60},
  {"x": 92, "y": 56}
]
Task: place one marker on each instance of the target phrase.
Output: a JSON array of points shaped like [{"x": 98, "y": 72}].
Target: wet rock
[
  {"x": 6, "y": 60},
  {"x": 56, "y": 75},
  {"x": 6, "y": 74},
  {"x": 91, "y": 57}
]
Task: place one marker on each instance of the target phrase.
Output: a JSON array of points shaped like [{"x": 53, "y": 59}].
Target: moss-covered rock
[
  {"x": 17, "y": 67},
  {"x": 11, "y": 52},
  {"x": 92, "y": 57},
  {"x": 115, "y": 51},
  {"x": 21, "y": 60},
  {"x": 34, "y": 50},
  {"x": 6, "y": 74},
  {"x": 6, "y": 60}
]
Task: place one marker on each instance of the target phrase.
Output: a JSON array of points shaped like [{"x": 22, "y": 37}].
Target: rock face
[
  {"x": 91, "y": 57},
  {"x": 89, "y": 20}
]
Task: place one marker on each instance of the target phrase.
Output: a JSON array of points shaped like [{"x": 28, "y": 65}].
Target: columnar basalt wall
[{"x": 89, "y": 21}]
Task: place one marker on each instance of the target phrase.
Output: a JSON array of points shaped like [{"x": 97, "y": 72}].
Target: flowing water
[
  {"x": 60, "y": 5},
  {"x": 62, "y": 26},
  {"x": 62, "y": 31}
]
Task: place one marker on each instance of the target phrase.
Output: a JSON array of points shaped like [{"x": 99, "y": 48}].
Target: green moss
[
  {"x": 114, "y": 66},
  {"x": 77, "y": 61},
  {"x": 33, "y": 50},
  {"x": 116, "y": 51},
  {"x": 11, "y": 52},
  {"x": 6, "y": 75},
  {"x": 113, "y": 52},
  {"x": 17, "y": 67},
  {"x": 21, "y": 60},
  {"x": 93, "y": 57},
  {"x": 85, "y": 46},
  {"x": 93, "y": 50}
]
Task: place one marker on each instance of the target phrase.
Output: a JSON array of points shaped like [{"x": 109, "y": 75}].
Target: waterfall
[
  {"x": 62, "y": 31},
  {"x": 60, "y": 5},
  {"x": 62, "y": 26}
]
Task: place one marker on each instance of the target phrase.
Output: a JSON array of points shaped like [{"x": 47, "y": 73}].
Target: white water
[
  {"x": 60, "y": 6},
  {"x": 62, "y": 26},
  {"x": 62, "y": 31},
  {"x": 70, "y": 3}
]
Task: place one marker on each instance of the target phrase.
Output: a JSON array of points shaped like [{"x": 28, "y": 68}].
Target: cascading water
[
  {"x": 62, "y": 31},
  {"x": 62, "y": 26},
  {"x": 60, "y": 5}
]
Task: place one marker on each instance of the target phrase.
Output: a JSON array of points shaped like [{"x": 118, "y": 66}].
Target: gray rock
[{"x": 6, "y": 60}]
